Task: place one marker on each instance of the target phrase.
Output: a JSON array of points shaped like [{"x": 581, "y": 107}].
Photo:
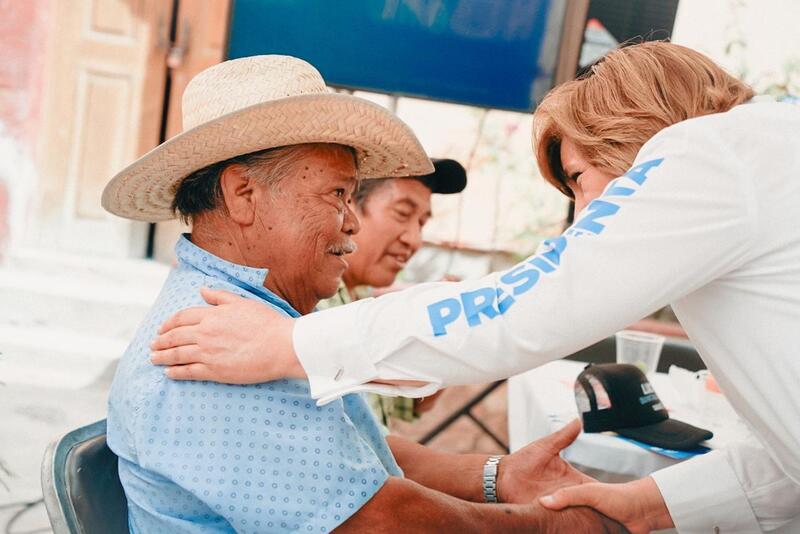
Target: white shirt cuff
[
  {"x": 386, "y": 390},
  {"x": 328, "y": 346},
  {"x": 704, "y": 496}
]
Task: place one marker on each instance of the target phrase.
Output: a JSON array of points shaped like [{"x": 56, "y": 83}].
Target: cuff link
[{"x": 339, "y": 373}]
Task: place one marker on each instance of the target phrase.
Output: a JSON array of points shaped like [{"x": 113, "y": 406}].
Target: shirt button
[{"x": 339, "y": 373}]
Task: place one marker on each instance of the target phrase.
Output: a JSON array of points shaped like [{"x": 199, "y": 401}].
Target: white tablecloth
[{"x": 542, "y": 400}]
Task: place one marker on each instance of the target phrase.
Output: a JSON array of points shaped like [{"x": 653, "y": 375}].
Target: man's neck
[
  {"x": 226, "y": 241},
  {"x": 221, "y": 239},
  {"x": 299, "y": 296}
]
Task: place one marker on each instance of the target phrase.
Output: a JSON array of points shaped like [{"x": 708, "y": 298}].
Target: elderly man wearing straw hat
[{"x": 264, "y": 172}]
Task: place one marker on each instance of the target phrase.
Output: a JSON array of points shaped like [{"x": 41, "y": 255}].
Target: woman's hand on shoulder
[{"x": 234, "y": 340}]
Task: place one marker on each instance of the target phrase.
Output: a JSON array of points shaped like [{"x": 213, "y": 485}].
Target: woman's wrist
[
  {"x": 655, "y": 511},
  {"x": 289, "y": 364}
]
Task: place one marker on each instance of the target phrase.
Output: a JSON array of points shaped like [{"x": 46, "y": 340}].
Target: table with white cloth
[{"x": 542, "y": 401}]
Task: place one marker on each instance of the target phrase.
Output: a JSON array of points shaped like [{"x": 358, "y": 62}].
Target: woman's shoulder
[
  {"x": 742, "y": 119},
  {"x": 733, "y": 132}
]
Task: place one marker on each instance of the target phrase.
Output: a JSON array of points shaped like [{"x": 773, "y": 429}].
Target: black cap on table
[{"x": 618, "y": 397}]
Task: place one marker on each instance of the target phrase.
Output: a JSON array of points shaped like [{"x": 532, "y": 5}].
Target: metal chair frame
[{"x": 466, "y": 410}]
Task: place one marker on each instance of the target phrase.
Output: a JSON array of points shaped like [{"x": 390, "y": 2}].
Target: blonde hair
[{"x": 624, "y": 100}]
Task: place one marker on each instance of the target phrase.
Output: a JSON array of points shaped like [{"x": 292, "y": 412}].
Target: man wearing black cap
[{"x": 392, "y": 212}]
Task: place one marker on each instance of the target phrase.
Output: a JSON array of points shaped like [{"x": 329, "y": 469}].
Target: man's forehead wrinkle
[
  {"x": 340, "y": 168},
  {"x": 346, "y": 178},
  {"x": 322, "y": 175}
]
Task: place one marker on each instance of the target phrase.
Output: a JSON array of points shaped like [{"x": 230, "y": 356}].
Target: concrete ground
[
  {"x": 64, "y": 322},
  {"x": 33, "y": 417}
]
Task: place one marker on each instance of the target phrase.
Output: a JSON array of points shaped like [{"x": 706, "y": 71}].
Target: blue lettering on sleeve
[
  {"x": 616, "y": 190},
  {"x": 639, "y": 173},
  {"x": 556, "y": 246},
  {"x": 503, "y": 304},
  {"x": 541, "y": 264},
  {"x": 443, "y": 313},
  {"x": 597, "y": 209},
  {"x": 480, "y": 301},
  {"x": 523, "y": 275}
]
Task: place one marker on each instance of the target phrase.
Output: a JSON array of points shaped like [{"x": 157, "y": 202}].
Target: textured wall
[
  {"x": 23, "y": 38},
  {"x": 24, "y": 30}
]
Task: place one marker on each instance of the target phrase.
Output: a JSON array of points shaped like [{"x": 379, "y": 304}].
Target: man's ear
[{"x": 237, "y": 192}]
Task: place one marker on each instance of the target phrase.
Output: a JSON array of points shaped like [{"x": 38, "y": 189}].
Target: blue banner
[{"x": 490, "y": 53}]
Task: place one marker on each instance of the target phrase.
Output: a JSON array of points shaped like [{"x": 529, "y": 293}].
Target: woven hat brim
[{"x": 385, "y": 147}]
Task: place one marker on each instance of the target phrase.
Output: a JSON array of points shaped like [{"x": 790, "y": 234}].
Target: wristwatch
[{"x": 490, "y": 478}]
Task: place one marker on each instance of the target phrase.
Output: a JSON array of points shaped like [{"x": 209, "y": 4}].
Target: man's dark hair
[{"x": 201, "y": 191}]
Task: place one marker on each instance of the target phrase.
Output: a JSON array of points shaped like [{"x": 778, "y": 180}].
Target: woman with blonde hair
[{"x": 686, "y": 192}]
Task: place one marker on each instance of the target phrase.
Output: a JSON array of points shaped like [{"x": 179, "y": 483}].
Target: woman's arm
[{"x": 677, "y": 220}]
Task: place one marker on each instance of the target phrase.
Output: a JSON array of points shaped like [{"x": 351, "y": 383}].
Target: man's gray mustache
[{"x": 343, "y": 248}]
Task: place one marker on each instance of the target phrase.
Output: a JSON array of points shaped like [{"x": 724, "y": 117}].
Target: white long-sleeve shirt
[{"x": 707, "y": 220}]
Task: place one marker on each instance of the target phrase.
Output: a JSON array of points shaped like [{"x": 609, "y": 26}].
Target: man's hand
[
  {"x": 638, "y": 505},
  {"x": 537, "y": 469},
  {"x": 404, "y": 506},
  {"x": 235, "y": 341}
]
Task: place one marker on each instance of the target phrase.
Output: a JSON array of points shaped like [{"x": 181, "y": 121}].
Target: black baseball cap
[
  {"x": 618, "y": 397},
  {"x": 448, "y": 177}
]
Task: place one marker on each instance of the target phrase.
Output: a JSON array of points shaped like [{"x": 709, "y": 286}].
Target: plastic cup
[{"x": 640, "y": 349}]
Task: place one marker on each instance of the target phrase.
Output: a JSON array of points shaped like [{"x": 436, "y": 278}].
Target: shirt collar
[{"x": 249, "y": 279}]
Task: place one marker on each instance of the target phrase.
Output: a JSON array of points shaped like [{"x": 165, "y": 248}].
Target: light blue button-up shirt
[{"x": 208, "y": 457}]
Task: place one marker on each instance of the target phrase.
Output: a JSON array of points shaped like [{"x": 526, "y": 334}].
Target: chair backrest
[
  {"x": 80, "y": 483},
  {"x": 675, "y": 352}
]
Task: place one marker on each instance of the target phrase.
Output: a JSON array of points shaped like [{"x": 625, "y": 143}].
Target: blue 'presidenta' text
[{"x": 487, "y": 303}]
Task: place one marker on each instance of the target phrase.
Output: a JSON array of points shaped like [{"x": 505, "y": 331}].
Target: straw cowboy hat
[{"x": 255, "y": 103}]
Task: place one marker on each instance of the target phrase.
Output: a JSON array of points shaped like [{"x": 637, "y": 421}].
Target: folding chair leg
[
  {"x": 488, "y": 432},
  {"x": 466, "y": 410}
]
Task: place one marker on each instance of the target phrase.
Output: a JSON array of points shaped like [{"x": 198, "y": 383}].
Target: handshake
[{"x": 572, "y": 501}]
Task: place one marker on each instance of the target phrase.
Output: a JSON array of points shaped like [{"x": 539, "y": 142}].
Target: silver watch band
[{"x": 490, "y": 478}]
